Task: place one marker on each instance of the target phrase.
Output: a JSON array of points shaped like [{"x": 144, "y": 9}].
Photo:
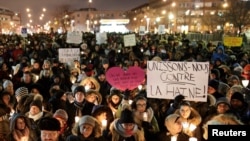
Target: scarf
[
  {"x": 37, "y": 116},
  {"x": 118, "y": 127}
]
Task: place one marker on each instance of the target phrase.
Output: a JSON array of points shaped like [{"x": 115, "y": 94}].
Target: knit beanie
[
  {"x": 61, "y": 113},
  {"x": 222, "y": 100},
  {"x": 6, "y": 83},
  {"x": 126, "y": 116},
  {"x": 37, "y": 103},
  {"x": 21, "y": 91},
  {"x": 49, "y": 123},
  {"x": 214, "y": 84},
  {"x": 87, "y": 119},
  {"x": 79, "y": 89},
  {"x": 239, "y": 96}
]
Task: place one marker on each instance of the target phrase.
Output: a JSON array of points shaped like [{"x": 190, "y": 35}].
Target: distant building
[
  {"x": 9, "y": 21},
  {"x": 178, "y": 15},
  {"x": 91, "y": 19}
]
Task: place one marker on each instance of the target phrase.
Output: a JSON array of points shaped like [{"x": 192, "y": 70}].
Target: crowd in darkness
[{"x": 43, "y": 98}]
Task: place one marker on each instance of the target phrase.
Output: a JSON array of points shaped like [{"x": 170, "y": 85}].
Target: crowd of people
[{"x": 44, "y": 99}]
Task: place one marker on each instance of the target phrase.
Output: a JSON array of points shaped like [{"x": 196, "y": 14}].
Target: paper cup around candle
[
  {"x": 104, "y": 123},
  {"x": 77, "y": 118},
  {"x": 145, "y": 116},
  {"x": 192, "y": 139}
]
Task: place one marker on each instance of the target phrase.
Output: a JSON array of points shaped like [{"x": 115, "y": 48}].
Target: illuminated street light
[
  {"x": 225, "y": 5},
  {"x": 163, "y": 12},
  {"x": 148, "y": 19},
  {"x": 29, "y": 15},
  {"x": 171, "y": 16},
  {"x": 27, "y": 10},
  {"x": 173, "y": 4},
  {"x": 158, "y": 19},
  {"x": 44, "y": 9}
]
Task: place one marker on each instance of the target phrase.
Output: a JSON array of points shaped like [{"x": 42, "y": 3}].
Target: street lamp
[
  {"x": 148, "y": 19},
  {"x": 170, "y": 18}
]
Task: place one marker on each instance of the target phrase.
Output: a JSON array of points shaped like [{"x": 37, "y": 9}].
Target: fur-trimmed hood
[
  {"x": 221, "y": 119},
  {"x": 194, "y": 117},
  {"x": 97, "y": 131},
  {"x": 139, "y": 135}
]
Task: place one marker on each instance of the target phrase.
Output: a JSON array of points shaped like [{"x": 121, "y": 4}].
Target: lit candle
[
  {"x": 192, "y": 127},
  {"x": 192, "y": 139},
  {"x": 145, "y": 116},
  {"x": 245, "y": 83},
  {"x": 130, "y": 102},
  {"x": 184, "y": 125},
  {"x": 77, "y": 118},
  {"x": 37, "y": 77},
  {"x": 104, "y": 123},
  {"x": 87, "y": 87},
  {"x": 140, "y": 87}
]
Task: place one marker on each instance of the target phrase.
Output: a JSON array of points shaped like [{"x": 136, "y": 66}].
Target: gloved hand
[
  {"x": 146, "y": 125},
  {"x": 6, "y": 117},
  {"x": 126, "y": 94}
]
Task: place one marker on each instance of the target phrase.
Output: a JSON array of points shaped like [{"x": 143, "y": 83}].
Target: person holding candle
[
  {"x": 79, "y": 107},
  {"x": 114, "y": 100},
  {"x": 21, "y": 129},
  {"x": 104, "y": 117},
  {"x": 144, "y": 117},
  {"x": 125, "y": 128},
  {"x": 174, "y": 129},
  {"x": 87, "y": 129},
  {"x": 190, "y": 119}
]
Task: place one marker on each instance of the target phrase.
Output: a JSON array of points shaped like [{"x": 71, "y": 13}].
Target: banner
[
  {"x": 68, "y": 55},
  {"x": 129, "y": 40},
  {"x": 74, "y": 37},
  {"x": 233, "y": 41},
  {"x": 101, "y": 38},
  {"x": 167, "y": 79},
  {"x": 125, "y": 79}
]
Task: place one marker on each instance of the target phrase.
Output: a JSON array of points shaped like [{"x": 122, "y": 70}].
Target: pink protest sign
[{"x": 123, "y": 80}]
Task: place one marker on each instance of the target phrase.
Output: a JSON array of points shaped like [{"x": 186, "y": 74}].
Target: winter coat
[
  {"x": 95, "y": 136},
  {"x": 163, "y": 136},
  {"x": 32, "y": 135},
  {"x": 76, "y": 109},
  {"x": 116, "y": 133},
  {"x": 194, "y": 119}
]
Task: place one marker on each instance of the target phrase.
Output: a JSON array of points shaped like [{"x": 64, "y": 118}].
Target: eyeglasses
[{"x": 141, "y": 105}]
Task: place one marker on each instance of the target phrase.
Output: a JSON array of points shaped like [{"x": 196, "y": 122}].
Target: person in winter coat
[
  {"x": 220, "y": 54},
  {"x": 144, "y": 117},
  {"x": 190, "y": 120},
  {"x": 125, "y": 128},
  {"x": 49, "y": 129},
  {"x": 174, "y": 129},
  {"x": 104, "y": 117},
  {"x": 221, "y": 119},
  {"x": 79, "y": 107},
  {"x": 62, "y": 116},
  {"x": 21, "y": 129},
  {"x": 87, "y": 129},
  {"x": 114, "y": 99},
  {"x": 4, "y": 114}
]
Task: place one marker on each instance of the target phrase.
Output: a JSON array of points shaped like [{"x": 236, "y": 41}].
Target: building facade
[
  {"x": 178, "y": 15},
  {"x": 9, "y": 21}
]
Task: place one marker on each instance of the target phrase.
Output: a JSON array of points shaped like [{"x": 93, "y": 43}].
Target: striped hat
[{"x": 21, "y": 91}]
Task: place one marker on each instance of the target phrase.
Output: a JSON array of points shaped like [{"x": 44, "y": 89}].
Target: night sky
[{"x": 53, "y": 6}]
